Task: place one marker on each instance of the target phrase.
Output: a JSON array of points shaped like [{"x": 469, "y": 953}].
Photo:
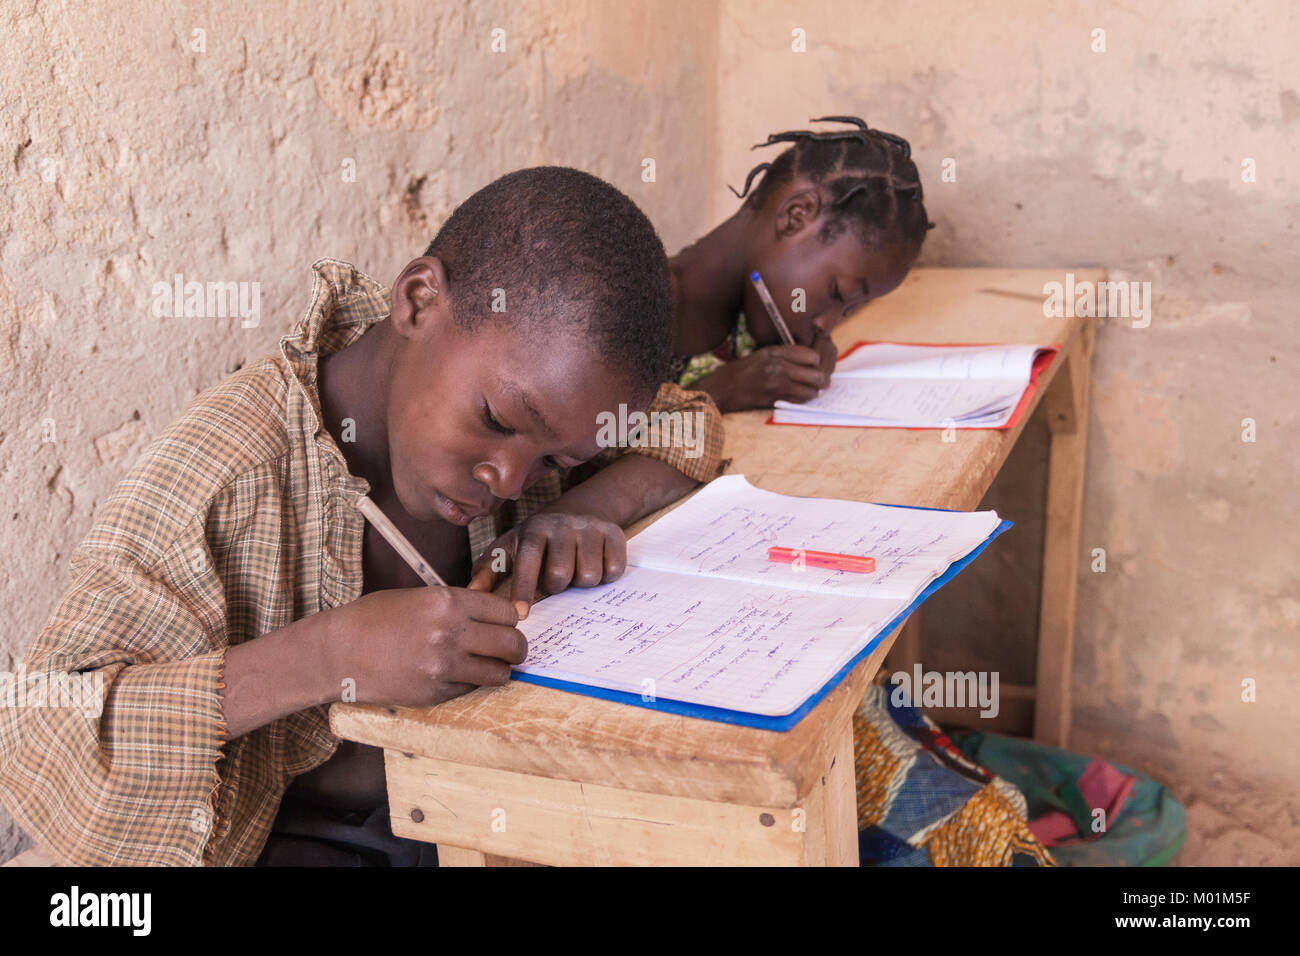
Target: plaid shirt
[{"x": 237, "y": 521}]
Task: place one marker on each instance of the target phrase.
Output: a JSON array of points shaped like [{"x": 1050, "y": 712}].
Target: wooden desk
[{"x": 524, "y": 773}]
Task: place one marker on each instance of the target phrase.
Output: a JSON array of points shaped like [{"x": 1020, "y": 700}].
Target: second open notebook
[
  {"x": 924, "y": 386},
  {"x": 703, "y": 624}
]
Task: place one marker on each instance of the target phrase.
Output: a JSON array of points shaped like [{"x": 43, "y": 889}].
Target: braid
[{"x": 870, "y": 178}]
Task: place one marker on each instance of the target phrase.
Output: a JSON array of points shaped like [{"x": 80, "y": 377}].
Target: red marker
[{"x": 822, "y": 559}]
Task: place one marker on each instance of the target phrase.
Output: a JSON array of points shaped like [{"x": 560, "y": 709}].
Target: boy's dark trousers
[{"x": 305, "y": 834}]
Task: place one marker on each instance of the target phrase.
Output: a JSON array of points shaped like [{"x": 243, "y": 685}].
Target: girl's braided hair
[{"x": 869, "y": 174}]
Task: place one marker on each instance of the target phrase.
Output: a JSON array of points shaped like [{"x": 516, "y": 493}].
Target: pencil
[
  {"x": 781, "y": 328},
  {"x": 399, "y": 542}
]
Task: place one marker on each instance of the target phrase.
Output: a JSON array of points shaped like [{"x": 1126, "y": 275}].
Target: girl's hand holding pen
[{"x": 793, "y": 373}]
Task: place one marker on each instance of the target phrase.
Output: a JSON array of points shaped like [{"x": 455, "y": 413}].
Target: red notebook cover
[{"x": 1043, "y": 360}]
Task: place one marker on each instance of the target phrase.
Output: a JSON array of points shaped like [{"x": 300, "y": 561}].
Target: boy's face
[
  {"x": 837, "y": 276},
  {"x": 475, "y": 417}
]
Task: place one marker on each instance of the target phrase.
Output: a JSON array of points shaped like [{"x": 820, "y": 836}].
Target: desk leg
[
  {"x": 1066, "y": 404},
  {"x": 839, "y": 791}
]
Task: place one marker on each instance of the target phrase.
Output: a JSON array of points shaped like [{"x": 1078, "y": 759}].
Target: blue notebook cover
[{"x": 763, "y": 722}]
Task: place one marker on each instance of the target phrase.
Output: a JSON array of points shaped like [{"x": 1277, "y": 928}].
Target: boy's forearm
[
  {"x": 277, "y": 674},
  {"x": 626, "y": 490}
]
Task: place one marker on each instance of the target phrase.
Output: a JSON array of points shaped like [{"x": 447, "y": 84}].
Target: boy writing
[{"x": 230, "y": 588}]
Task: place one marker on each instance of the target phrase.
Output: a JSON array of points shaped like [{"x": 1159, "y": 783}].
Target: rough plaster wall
[
  {"x": 225, "y": 165},
  {"x": 129, "y": 157},
  {"x": 1128, "y": 159}
]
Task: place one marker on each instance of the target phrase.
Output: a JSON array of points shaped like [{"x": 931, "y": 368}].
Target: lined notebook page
[
  {"x": 700, "y": 640},
  {"x": 726, "y": 529},
  {"x": 702, "y": 616},
  {"x": 907, "y": 402},
  {"x": 884, "y": 360},
  {"x": 918, "y": 386}
]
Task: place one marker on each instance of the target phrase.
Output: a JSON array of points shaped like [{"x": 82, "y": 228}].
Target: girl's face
[{"x": 835, "y": 277}]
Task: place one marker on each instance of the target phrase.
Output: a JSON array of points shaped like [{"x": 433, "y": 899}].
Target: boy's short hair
[{"x": 552, "y": 247}]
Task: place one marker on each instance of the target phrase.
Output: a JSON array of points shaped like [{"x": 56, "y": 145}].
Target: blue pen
[{"x": 766, "y": 297}]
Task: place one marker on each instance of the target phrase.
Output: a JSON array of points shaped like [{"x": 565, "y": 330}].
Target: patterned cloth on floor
[
  {"x": 1144, "y": 825},
  {"x": 921, "y": 802}
]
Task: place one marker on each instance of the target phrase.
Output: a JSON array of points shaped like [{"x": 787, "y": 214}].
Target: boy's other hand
[
  {"x": 552, "y": 550},
  {"x": 792, "y": 373},
  {"x": 415, "y": 647}
]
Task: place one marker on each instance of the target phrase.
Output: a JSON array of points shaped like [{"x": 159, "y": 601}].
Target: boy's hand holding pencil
[{"x": 416, "y": 647}]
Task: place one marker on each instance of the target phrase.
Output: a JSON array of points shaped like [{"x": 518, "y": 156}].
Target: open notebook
[
  {"x": 703, "y": 624},
  {"x": 924, "y": 386}
]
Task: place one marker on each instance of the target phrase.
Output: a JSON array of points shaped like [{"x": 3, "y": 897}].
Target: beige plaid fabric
[{"x": 236, "y": 521}]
